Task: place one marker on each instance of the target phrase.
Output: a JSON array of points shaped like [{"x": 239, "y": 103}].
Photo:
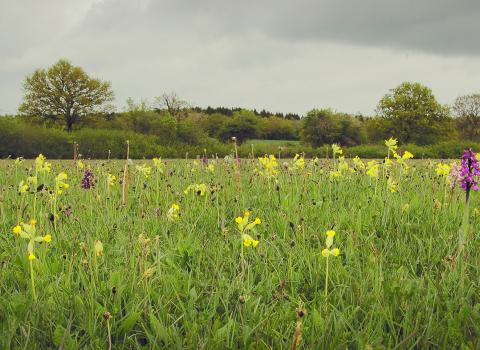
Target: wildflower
[
  {"x": 358, "y": 164},
  {"x": 443, "y": 170},
  {"x": 41, "y": 165},
  {"x": 111, "y": 180},
  {"x": 470, "y": 171},
  {"x": 87, "y": 181},
  {"x": 98, "y": 248},
  {"x": 144, "y": 170},
  {"x": 392, "y": 185},
  {"x": 60, "y": 183},
  {"x": 372, "y": 168},
  {"x": 335, "y": 174},
  {"x": 22, "y": 187},
  {"x": 159, "y": 165},
  {"x": 31, "y": 257},
  {"x": 33, "y": 222},
  {"x": 243, "y": 222},
  {"x": 327, "y": 252},
  {"x": 391, "y": 144},
  {"x": 269, "y": 166},
  {"x": 47, "y": 238},
  {"x": 80, "y": 164},
  {"x": 198, "y": 189},
  {"x": 18, "y": 160},
  {"x": 336, "y": 149},
  {"x": 172, "y": 213},
  {"x": 17, "y": 229},
  {"x": 249, "y": 241},
  {"x": 32, "y": 181},
  {"x": 298, "y": 163}
]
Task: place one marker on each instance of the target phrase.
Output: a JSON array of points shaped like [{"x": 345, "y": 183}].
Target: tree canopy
[
  {"x": 414, "y": 115},
  {"x": 64, "y": 92}
]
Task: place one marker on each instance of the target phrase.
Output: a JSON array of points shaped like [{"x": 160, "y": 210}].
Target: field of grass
[{"x": 146, "y": 275}]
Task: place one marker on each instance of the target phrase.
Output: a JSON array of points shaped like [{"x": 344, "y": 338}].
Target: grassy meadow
[{"x": 184, "y": 262}]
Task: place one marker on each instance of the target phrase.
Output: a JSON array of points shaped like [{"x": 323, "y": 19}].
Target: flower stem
[
  {"x": 33, "y": 281},
  {"x": 326, "y": 281},
  {"x": 464, "y": 228}
]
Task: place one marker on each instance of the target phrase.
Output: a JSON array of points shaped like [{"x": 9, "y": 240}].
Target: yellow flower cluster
[
  {"x": 173, "y": 212},
  {"x": 372, "y": 169},
  {"x": 60, "y": 183},
  {"x": 336, "y": 149},
  {"x": 298, "y": 163},
  {"x": 392, "y": 185},
  {"x": 198, "y": 189},
  {"x": 144, "y": 170},
  {"x": 328, "y": 243},
  {"x": 159, "y": 165},
  {"x": 443, "y": 169},
  {"x": 111, "y": 180},
  {"x": 269, "y": 165},
  {"x": 41, "y": 165},
  {"x": 28, "y": 232},
  {"x": 244, "y": 225}
]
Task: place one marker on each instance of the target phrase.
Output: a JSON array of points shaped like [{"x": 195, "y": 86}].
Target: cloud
[{"x": 281, "y": 55}]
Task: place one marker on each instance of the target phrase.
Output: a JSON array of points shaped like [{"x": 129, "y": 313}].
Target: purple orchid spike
[
  {"x": 87, "y": 181},
  {"x": 469, "y": 172}
]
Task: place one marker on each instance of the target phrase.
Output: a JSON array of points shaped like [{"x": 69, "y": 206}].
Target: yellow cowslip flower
[
  {"x": 41, "y": 165},
  {"x": 243, "y": 222},
  {"x": 443, "y": 169},
  {"x": 328, "y": 243},
  {"x": 17, "y": 229},
  {"x": 372, "y": 168},
  {"x": 22, "y": 187},
  {"x": 144, "y": 170},
  {"x": 336, "y": 149},
  {"x": 298, "y": 163},
  {"x": 391, "y": 144},
  {"x": 32, "y": 180},
  {"x": 33, "y": 222},
  {"x": 31, "y": 257},
  {"x": 343, "y": 166},
  {"x": 98, "y": 248},
  {"x": 249, "y": 241},
  {"x": 198, "y": 189},
  {"x": 172, "y": 213},
  {"x": 334, "y": 174},
  {"x": 60, "y": 183},
  {"x": 80, "y": 164},
  {"x": 358, "y": 164},
  {"x": 388, "y": 162},
  {"x": 407, "y": 155},
  {"x": 392, "y": 185},
  {"x": 269, "y": 165},
  {"x": 18, "y": 160},
  {"x": 111, "y": 180},
  {"x": 330, "y": 233},
  {"x": 158, "y": 164},
  {"x": 47, "y": 238}
]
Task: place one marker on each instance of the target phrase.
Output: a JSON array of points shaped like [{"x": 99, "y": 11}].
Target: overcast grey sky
[{"x": 287, "y": 56}]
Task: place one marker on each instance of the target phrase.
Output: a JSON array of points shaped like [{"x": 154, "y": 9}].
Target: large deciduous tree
[
  {"x": 467, "y": 111},
  {"x": 414, "y": 115},
  {"x": 64, "y": 92}
]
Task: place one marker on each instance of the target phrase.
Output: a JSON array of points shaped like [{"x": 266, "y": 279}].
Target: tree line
[{"x": 65, "y": 97}]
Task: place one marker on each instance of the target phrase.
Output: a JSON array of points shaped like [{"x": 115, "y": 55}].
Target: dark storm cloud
[{"x": 281, "y": 55}]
